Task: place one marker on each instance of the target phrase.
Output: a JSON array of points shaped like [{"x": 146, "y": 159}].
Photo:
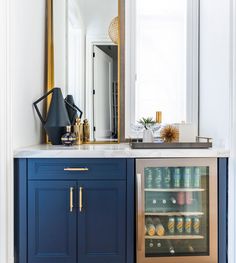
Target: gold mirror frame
[{"x": 50, "y": 65}]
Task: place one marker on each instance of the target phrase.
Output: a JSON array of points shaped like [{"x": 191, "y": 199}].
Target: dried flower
[{"x": 169, "y": 133}]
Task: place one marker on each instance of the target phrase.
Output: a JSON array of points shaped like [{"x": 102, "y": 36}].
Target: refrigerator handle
[{"x": 140, "y": 225}]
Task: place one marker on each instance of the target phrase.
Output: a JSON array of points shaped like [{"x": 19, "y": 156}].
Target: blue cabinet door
[
  {"x": 52, "y": 228},
  {"x": 102, "y": 222}
]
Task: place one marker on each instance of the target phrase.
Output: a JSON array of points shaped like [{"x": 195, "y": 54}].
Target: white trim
[
  {"x": 6, "y": 152},
  {"x": 232, "y": 160},
  {"x": 192, "y": 63},
  {"x": 130, "y": 68},
  {"x": 91, "y": 40}
]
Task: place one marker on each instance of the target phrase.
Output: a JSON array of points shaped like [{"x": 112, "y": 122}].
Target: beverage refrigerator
[{"x": 176, "y": 210}]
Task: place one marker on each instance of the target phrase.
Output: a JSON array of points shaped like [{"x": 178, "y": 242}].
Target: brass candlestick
[{"x": 158, "y": 117}]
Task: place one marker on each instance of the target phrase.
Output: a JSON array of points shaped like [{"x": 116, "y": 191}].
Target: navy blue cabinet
[
  {"x": 51, "y": 225},
  {"x": 83, "y": 210},
  {"x": 102, "y": 222},
  {"x": 74, "y": 211}
]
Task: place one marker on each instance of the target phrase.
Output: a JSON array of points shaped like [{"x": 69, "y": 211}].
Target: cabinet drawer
[{"x": 83, "y": 169}]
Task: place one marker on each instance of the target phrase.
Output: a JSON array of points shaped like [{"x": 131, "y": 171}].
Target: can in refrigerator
[
  {"x": 167, "y": 178},
  {"x": 188, "y": 225},
  {"x": 157, "y": 178},
  {"x": 196, "y": 225},
  {"x": 160, "y": 230},
  {"x": 180, "y": 198},
  {"x": 189, "y": 198},
  {"x": 148, "y": 220},
  {"x": 187, "y": 177},
  {"x": 148, "y": 177},
  {"x": 197, "y": 178},
  {"x": 151, "y": 230},
  {"x": 177, "y": 178},
  {"x": 179, "y": 225},
  {"x": 171, "y": 225}
]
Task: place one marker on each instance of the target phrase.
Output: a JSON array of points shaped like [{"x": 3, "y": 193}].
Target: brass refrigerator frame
[{"x": 213, "y": 209}]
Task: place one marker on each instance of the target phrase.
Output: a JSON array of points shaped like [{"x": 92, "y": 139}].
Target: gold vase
[
  {"x": 78, "y": 131},
  {"x": 86, "y": 128}
]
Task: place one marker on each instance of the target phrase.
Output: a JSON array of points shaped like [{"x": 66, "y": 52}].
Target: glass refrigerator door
[{"x": 176, "y": 210}]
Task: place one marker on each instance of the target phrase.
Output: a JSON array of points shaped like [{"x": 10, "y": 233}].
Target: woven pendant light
[{"x": 113, "y": 30}]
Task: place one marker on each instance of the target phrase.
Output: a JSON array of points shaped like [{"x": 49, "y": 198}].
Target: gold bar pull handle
[
  {"x": 80, "y": 199},
  {"x": 71, "y": 199},
  {"x": 139, "y": 214},
  {"x": 81, "y": 169}
]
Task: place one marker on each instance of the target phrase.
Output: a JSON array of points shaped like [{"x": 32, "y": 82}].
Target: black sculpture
[
  {"x": 72, "y": 111},
  {"x": 57, "y": 118}
]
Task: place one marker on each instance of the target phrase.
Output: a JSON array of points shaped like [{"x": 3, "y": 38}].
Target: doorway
[{"x": 105, "y": 93}]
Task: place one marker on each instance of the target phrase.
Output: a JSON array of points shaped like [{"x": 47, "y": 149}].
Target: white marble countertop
[{"x": 122, "y": 150}]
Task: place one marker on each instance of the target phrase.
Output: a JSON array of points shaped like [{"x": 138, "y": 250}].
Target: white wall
[
  {"x": 28, "y": 62},
  {"x": 98, "y": 15},
  {"x": 76, "y": 53},
  {"x": 22, "y": 66},
  {"x": 215, "y": 70},
  {"x": 59, "y": 34}
]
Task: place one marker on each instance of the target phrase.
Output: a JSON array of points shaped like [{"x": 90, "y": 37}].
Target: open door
[{"x": 102, "y": 100}]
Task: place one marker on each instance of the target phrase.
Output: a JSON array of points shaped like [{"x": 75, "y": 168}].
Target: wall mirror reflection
[
  {"x": 163, "y": 67},
  {"x": 90, "y": 63}
]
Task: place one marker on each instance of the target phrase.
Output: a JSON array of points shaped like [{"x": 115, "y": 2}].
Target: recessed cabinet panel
[
  {"x": 102, "y": 222},
  {"x": 51, "y": 222}
]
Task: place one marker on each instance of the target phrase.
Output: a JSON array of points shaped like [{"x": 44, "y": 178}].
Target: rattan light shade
[{"x": 113, "y": 30}]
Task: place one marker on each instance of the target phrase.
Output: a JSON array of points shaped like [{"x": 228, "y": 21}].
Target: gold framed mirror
[{"x": 100, "y": 44}]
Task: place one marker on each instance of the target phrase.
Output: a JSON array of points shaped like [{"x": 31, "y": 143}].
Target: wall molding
[
  {"x": 232, "y": 161},
  {"x": 6, "y": 152}
]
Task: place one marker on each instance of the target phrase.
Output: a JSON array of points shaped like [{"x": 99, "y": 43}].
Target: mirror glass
[
  {"x": 164, "y": 63},
  {"x": 90, "y": 61}
]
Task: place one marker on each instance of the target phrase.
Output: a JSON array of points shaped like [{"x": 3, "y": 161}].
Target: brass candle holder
[{"x": 158, "y": 117}]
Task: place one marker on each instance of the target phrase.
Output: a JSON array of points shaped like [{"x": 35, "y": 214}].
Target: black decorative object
[
  {"x": 57, "y": 118},
  {"x": 72, "y": 111}
]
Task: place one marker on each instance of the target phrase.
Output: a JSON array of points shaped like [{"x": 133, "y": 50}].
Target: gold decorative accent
[
  {"x": 80, "y": 199},
  {"x": 78, "y": 131},
  {"x": 158, "y": 117},
  {"x": 71, "y": 199},
  {"x": 86, "y": 131},
  {"x": 76, "y": 169},
  {"x": 50, "y": 82},
  {"x": 50, "y": 49},
  {"x": 49, "y": 53},
  {"x": 170, "y": 134},
  {"x": 113, "y": 30}
]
